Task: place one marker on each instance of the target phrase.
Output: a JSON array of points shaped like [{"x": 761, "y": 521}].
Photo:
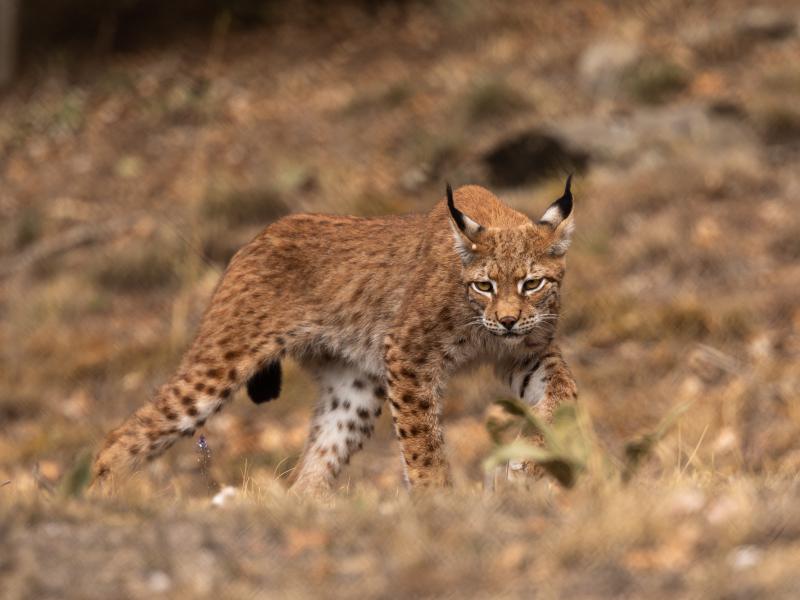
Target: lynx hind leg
[
  {"x": 349, "y": 404},
  {"x": 205, "y": 382}
]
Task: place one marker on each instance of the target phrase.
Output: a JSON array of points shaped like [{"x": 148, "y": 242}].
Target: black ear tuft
[
  {"x": 565, "y": 202},
  {"x": 466, "y": 230},
  {"x": 457, "y": 215},
  {"x": 560, "y": 209}
]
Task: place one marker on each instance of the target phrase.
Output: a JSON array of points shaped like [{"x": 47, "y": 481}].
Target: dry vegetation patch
[{"x": 682, "y": 289}]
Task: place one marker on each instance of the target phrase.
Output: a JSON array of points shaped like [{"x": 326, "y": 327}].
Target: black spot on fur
[{"x": 265, "y": 385}]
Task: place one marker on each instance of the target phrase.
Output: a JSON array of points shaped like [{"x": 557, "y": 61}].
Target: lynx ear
[
  {"x": 465, "y": 230},
  {"x": 558, "y": 217}
]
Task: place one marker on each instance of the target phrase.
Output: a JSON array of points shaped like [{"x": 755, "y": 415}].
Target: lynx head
[{"x": 512, "y": 268}]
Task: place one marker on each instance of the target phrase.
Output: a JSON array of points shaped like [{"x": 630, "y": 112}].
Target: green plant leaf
[
  {"x": 532, "y": 424},
  {"x": 561, "y": 467},
  {"x": 564, "y": 452},
  {"x": 78, "y": 478}
]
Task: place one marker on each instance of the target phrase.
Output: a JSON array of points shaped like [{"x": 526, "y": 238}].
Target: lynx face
[{"x": 512, "y": 275}]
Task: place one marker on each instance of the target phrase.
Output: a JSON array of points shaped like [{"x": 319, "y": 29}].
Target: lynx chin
[{"x": 376, "y": 309}]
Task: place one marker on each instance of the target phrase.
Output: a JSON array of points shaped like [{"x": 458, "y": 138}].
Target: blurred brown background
[{"x": 142, "y": 142}]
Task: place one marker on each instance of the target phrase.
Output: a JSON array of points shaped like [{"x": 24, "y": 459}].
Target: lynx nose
[{"x": 508, "y": 322}]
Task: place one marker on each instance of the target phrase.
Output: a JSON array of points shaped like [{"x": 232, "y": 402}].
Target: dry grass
[
  {"x": 681, "y": 289},
  {"x": 655, "y": 80}
]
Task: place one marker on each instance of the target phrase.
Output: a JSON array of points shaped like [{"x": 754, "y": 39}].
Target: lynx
[{"x": 375, "y": 309}]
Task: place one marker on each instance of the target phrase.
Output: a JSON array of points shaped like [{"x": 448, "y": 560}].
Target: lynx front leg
[
  {"x": 415, "y": 403},
  {"x": 544, "y": 382}
]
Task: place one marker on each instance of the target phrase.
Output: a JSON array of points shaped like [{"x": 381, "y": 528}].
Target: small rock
[
  {"x": 726, "y": 441},
  {"x": 686, "y": 501},
  {"x": 745, "y": 557},
  {"x": 766, "y": 23},
  {"x": 761, "y": 346},
  {"x": 224, "y": 496},
  {"x": 159, "y": 582}
]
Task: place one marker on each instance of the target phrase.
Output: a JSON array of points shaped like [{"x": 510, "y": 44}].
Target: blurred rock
[
  {"x": 726, "y": 441},
  {"x": 159, "y": 582},
  {"x": 603, "y": 64},
  {"x": 732, "y": 39},
  {"x": 653, "y": 135},
  {"x": 761, "y": 347},
  {"x": 766, "y": 23},
  {"x": 532, "y": 156},
  {"x": 726, "y": 108},
  {"x": 413, "y": 179},
  {"x": 224, "y": 496},
  {"x": 745, "y": 557},
  {"x": 686, "y": 501}
]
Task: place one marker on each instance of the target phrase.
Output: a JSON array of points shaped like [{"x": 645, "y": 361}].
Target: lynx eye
[
  {"x": 482, "y": 286},
  {"x": 532, "y": 285}
]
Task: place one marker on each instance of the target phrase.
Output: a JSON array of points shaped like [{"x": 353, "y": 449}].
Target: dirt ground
[{"x": 128, "y": 179}]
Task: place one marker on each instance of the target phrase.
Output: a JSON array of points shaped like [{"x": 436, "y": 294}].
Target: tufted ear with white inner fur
[
  {"x": 558, "y": 217},
  {"x": 465, "y": 230}
]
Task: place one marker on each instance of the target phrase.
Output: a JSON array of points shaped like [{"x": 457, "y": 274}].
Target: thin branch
[{"x": 76, "y": 237}]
